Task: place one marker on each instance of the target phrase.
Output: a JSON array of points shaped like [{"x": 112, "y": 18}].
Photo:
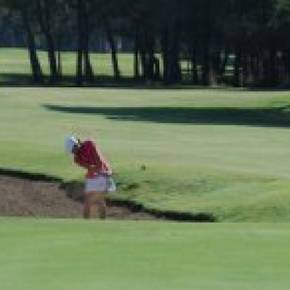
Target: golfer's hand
[{"x": 92, "y": 167}]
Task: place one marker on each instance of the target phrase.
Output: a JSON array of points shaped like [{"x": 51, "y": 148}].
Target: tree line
[{"x": 201, "y": 42}]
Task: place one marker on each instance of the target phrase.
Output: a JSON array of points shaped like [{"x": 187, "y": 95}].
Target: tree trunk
[
  {"x": 212, "y": 72},
  {"x": 173, "y": 74},
  {"x": 113, "y": 47},
  {"x": 209, "y": 72},
  {"x": 205, "y": 67},
  {"x": 157, "y": 72},
  {"x": 136, "y": 57},
  {"x": 286, "y": 73},
  {"x": 34, "y": 61},
  {"x": 89, "y": 73},
  {"x": 164, "y": 46},
  {"x": 194, "y": 69},
  {"x": 80, "y": 60},
  {"x": 59, "y": 64},
  {"x": 237, "y": 68},
  {"x": 150, "y": 57},
  {"x": 273, "y": 80},
  {"x": 136, "y": 63},
  {"x": 44, "y": 21},
  {"x": 249, "y": 70},
  {"x": 256, "y": 67},
  {"x": 143, "y": 55},
  {"x": 223, "y": 66},
  {"x": 143, "y": 64}
]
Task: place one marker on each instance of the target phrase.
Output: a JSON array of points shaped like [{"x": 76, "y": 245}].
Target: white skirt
[{"x": 100, "y": 183}]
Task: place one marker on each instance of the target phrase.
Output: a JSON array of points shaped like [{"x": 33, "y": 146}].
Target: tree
[
  {"x": 44, "y": 13},
  {"x": 25, "y": 10}
]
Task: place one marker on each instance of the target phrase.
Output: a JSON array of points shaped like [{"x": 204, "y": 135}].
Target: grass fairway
[
  {"x": 15, "y": 66},
  {"x": 223, "y": 152},
  {"x": 76, "y": 255}
]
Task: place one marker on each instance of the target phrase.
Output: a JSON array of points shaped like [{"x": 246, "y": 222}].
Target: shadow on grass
[
  {"x": 27, "y": 175},
  {"x": 25, "y": 80},
  {"x": 125, "y": 82},
  {"x": 201, "y": 217},
  {"x": 101, "y": 81},
  {"x": 264, "y": 117},
  {"x": 16, "y": 80}
]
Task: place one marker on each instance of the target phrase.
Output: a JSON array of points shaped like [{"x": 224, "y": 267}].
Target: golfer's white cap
[{"x": 69, "y": 143}]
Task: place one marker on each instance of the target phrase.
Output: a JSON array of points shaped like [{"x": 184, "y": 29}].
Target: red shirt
[{"x": 91, "y": 158}]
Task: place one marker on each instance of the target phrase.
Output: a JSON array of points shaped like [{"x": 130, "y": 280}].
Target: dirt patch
[{"x": 24, "y": 197}]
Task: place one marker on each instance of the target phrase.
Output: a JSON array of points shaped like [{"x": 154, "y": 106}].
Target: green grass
[
  {"x": 222, "y": 152},
  {"x": 75, "y": 255},
  {"x": 15, "y": 66}
]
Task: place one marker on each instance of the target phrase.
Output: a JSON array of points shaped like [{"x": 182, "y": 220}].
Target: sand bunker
[{"x": 24, "y": 197}]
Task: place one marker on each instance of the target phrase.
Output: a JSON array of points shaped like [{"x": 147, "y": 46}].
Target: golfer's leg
[
  {"x": 87, "y": 202},
  {"x": 101, "y": 205},
  {"x": 86, "y": 208},
  {"x": 89, "y": 205}
]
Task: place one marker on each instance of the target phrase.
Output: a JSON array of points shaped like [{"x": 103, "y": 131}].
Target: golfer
[{"x": 98, "y": 178}]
